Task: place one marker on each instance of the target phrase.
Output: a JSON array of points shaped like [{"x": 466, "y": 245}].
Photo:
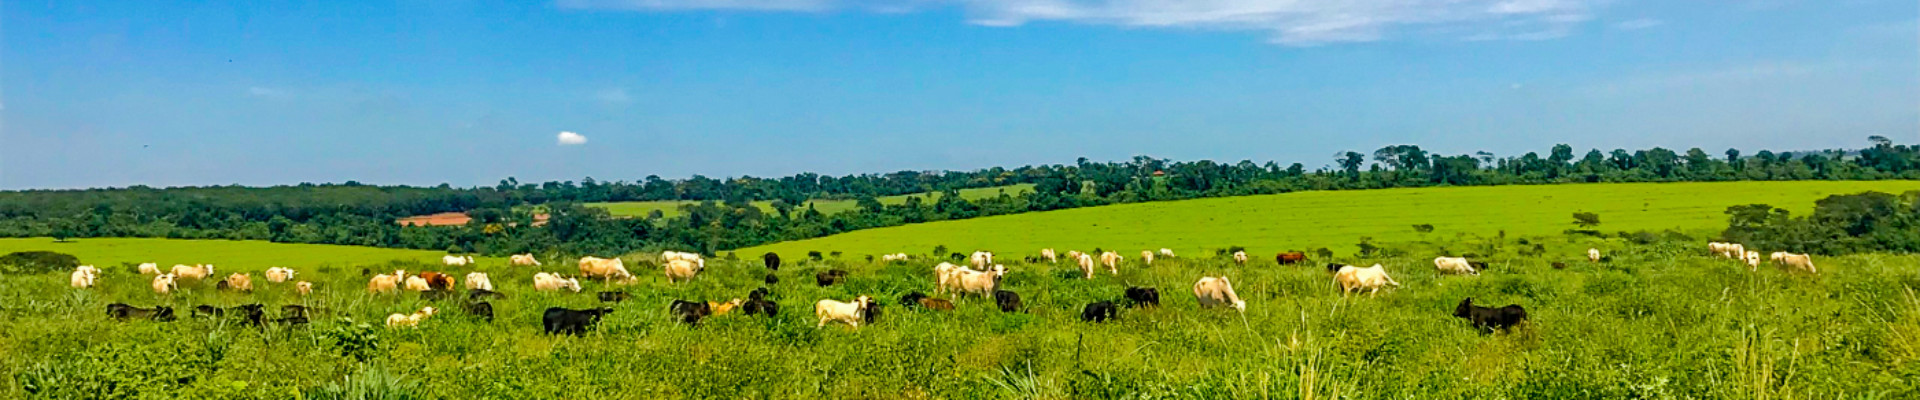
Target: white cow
[
  {"x": 1753, "y": 260},
  {"x": 1352, "y": 279},
  {"x": 1086, "y": 264},
  {"x": 1240, "y": 257},
  {"x": 980, "y": 259},
  {"x": 279, "y": 275},
  {"x": 943, "y": 276},
  {"x": 1593, "y": 255},
  {"x": 849, "y": 313},
  {"x": 1146, "y": 256},
  {"x": 479, "y": 280},
  {"x": 83, "y": 277},
  {"x": 608, "y": 268},
  {"x": 197, "y": 272},
  {"x": 1212, "y": 291},
  {"x": 1454, "y": 265},
  {"x": 695, "y": 258},
  {"x": 1719, "y": 248},
  {"x": 456, "y": 261},
  {"x": 550, "y": 282},
  {"x": 982, "y": 283},
  {"x": 523, "y": 260},
  {"x": 163, "y": 283},
  {"x": 1166, "y": 252},
  {"x": 1798, "y": 261},
  {"x": 681, "y": 270},
  {"x": 1112, "y": 261},
  {"x": 149, "y": 269},
  {"x": 1050, "y": 256}
]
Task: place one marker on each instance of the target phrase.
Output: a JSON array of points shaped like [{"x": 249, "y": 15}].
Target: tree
[{"x": 1586, "y": 219}]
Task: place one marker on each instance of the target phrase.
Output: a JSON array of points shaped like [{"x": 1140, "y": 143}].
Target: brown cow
[
  {"x": 1290, "y": 258},
  {"x": 437, "y": 281}
]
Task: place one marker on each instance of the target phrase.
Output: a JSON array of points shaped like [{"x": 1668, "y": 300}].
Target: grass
[
  {"x": 672, "y": 208},
  {"x": 1658, "y": 321},
  {"x": 1336, "y": 219},
  {"x": 225, "y": 255}
]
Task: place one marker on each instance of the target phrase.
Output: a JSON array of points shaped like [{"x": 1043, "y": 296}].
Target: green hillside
[
  {"x": 226, "y": 255},
  {"x": 672, "y": 208},
  {"x": 1337, "y": 219}
]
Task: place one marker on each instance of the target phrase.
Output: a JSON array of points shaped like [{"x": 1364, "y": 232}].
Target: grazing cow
[
  {"x": 198, "y": 272},
  {"x": 1736, "y": 251},
  {"x": 572, "y": 322},
  {"x": 417, "y": 284},
  {"x": 1454, "y": 265},
  {"x": 410, "y": 320},
  {"x": 279, "y": 275},
  {"x": 772, "y": 279},
  {"x": 481, "y": 309},
  {"x": 82, "y": 277},
  {"x": 1352, "y": 279},
  {"x": 1796, "y": 261},
  {"x": 695, "y": 258},
  {"x": 1007, "y": 300},
  {"x": 604, "y": 268},
  {"x": 980, "y": 259},
  {"x": 1146, "y": 257},
  {"x": 252, "y": 313},
  {"x": 163, "y": 283},
  {"x": 979, "y": 282},
  {"x": 149, "y": 269},
  {"x": 123, "y": 312},
  {"x": 239, "y": 282},
  {"x": 303, "y": 288},
  {"x": 479, "y": 280},
  {"x": 437, "y": 281},
  {"x": 681, "y": 270},
  {"x": 772, "y": 260},
  {"x": 614, "y": 297},
  {"x": 1143, "y": 296},
  {"x": 829, "y": 277},
  {"x": 1488, "y": 319},
  {"x": 723, "y": 308},
  {"x": 1240, "y": 258},
  {"x": 1086, "y": 264},
  {"x": 690, "y": 312},
  {"x": 1166, "y": 252},
  {"x": 1099, "y": 312},
  {"x": 915, "y": 298},
  {"x": 1112, "y": 261},
  {"x": 1074, "y": 254},
  {"x": 1593, "y": 255},
  {"x": 1719, "y": 248},
  {"x": 1753, "y": 260},
  {"x": 484, "y": 294},
  {"x": 893, "y": 257},
  {"x": 523, "y": 260},
  {"x": 550, "y": 282},
  {"x": 872, "y": 313},
  {"x": 1050, "y": 256},
  {"x": 848, "y": 313},
  {"x": 1559, "y": 265},
  {"x": 1217, "y": 291},
  {"x": 1290, "y": 257},
  {"x": 384, "y": 283},
  {"x": 456, "y": 261},
  {"x": 757, "y": 303}
]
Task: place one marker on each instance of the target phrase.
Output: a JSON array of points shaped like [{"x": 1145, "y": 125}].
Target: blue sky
[{"x": 425, "y": 92}]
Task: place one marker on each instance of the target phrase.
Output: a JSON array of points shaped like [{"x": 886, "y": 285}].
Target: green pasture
[
  {"x": 1654, "y": 322},
  {"x": 1337, "y": 219},
  {"x": 672, "y": 208}
]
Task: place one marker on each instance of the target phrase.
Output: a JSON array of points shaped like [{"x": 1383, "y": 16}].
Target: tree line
[{"x": 723, "y": 217}]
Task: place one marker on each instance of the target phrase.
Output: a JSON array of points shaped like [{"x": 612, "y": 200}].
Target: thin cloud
[
  {"x": 1638, "y": 24},
  {"x": 615, "y": 95},
  {"x": 1289, "y": 22},
  {"x": 571, "y": 139}
]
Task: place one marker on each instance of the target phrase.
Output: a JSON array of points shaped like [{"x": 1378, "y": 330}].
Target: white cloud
[
  {"x": 1638, "y": 24},
  {"x": 615, "y": 95},
  {"x": 571, "y": 139},
  {"x": 1292, "y": 22}
]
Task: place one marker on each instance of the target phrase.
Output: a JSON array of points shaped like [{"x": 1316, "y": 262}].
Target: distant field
[
  {"x": 672, "y": 208},
  {"x": 225, "y": 255},
  {"x": 1337, "y": 219}
]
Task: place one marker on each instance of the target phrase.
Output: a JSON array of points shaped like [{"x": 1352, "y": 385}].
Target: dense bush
[
  {"x": 1840, "y": 224},
  {"x": 36, "y": 262}
]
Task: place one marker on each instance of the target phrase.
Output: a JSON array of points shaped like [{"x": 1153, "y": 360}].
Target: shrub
[{"x": 37, "y": 262}]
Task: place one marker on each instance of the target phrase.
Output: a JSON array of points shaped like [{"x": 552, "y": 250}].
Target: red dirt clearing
[{"x": 453, "y": 218}]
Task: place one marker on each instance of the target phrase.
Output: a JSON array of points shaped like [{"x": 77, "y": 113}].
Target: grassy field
[
  {"x": 672, "y": 208},
  {"x": 1658, "y": 321},
  {"x": 225, "y": 255},
  {"x": 1336, "y": 220}
]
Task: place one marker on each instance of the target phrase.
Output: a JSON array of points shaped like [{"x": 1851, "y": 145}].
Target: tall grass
[{"x": 1658, "y": 321}]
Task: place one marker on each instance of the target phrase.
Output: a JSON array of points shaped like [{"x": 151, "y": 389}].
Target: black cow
[
  {"x": 773, "y": 261},
  {"x": 122, "y": 311},
  {"x": 757, "y": 303},
  {"x": 1335, "y": 267},
  {"x": 1478, "y": 265},
  {"x": 295, "y": 320},
  {"x": 1099, "y": 312},
  {"x": 294, "y": 314},
  {"x": 614, "y": 297},
  {"x": 772, "y": 280},
  {"x": 1143, "y": 296},
  {"x": 871, "y": 313},
  {"x": 920, "y": 299},
  {"x": 1559, "y": 265},
  {"x": 1488, "y": 319},
  {"x": 829, "y": 277},
  {"x": 690, "y": 312},
  {"x": 1008, "y": 301},
  {"x": 436, "y": 295},
  {"x": 572, "y": 322},
  {"x": 481, "y": 309},
  {"x": 483, "y": 294},
  {"x": 252, "y": 313}
]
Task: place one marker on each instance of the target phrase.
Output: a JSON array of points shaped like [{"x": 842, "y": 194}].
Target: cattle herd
[{"x": 979, "y": 278}]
